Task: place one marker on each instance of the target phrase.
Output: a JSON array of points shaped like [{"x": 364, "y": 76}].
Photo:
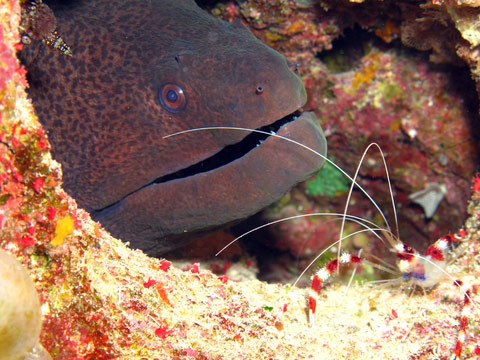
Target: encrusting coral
[{"x": 102, "y": 300}]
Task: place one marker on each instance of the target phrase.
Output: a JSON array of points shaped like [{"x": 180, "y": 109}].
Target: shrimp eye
[{"x": 172, "y": 97}]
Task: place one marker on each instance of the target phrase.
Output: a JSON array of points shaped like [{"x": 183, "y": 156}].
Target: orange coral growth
[
  {"x": 63, "y": 228},
  {"x": 367, "y": 73},
  {"x": 163, "y": 293},
  {"x": 389, "y": 32}
]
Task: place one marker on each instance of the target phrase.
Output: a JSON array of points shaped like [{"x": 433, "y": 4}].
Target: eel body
[{"x": 141, "y": 70}]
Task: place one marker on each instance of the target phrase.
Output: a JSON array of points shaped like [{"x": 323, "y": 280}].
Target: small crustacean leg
[
  {"x": 322, "y": 275},
  {"x": 463, "y": 324}
]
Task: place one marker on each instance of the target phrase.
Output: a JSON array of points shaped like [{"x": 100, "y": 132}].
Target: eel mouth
[{"x": 231, "y": 152}]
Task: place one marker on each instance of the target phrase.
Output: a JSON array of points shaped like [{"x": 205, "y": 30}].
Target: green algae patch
[{"x": 328, "y": 182}]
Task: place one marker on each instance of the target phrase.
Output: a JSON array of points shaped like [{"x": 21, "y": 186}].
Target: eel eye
[
  {"x": 259, "y": 89},
  {"x": 172, "y": 97}
]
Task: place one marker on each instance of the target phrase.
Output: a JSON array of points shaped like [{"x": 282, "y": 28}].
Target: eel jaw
[
  {"x": 190, "y": 200},
  {"x": 231, "y": 152}
]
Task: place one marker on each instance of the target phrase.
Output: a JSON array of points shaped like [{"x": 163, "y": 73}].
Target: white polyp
[{"x": 412, "y": 133}]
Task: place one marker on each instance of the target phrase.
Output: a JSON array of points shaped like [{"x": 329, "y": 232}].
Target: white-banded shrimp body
[{"x": 440, "y": 321}]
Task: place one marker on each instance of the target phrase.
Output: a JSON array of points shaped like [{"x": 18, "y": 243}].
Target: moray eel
[{"x": 141, "y": 70}]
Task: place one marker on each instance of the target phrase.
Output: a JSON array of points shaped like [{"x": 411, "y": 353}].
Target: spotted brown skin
[{"x": 105, "y": 112}]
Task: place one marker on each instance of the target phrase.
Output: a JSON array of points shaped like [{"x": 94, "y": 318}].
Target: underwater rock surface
[{"x": 102, "y": 300}]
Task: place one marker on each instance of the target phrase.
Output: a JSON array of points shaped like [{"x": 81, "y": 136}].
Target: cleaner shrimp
[{"x": 424, "y": 271}]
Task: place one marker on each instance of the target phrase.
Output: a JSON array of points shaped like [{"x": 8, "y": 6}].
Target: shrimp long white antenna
[
  {"x": 353, "y": 218},
  {"x": 292, "y": 141},
  {"x": 387, "y": 269},
  {"x": 383, "y": 265},
  {"x": 354, "y": 181}
]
